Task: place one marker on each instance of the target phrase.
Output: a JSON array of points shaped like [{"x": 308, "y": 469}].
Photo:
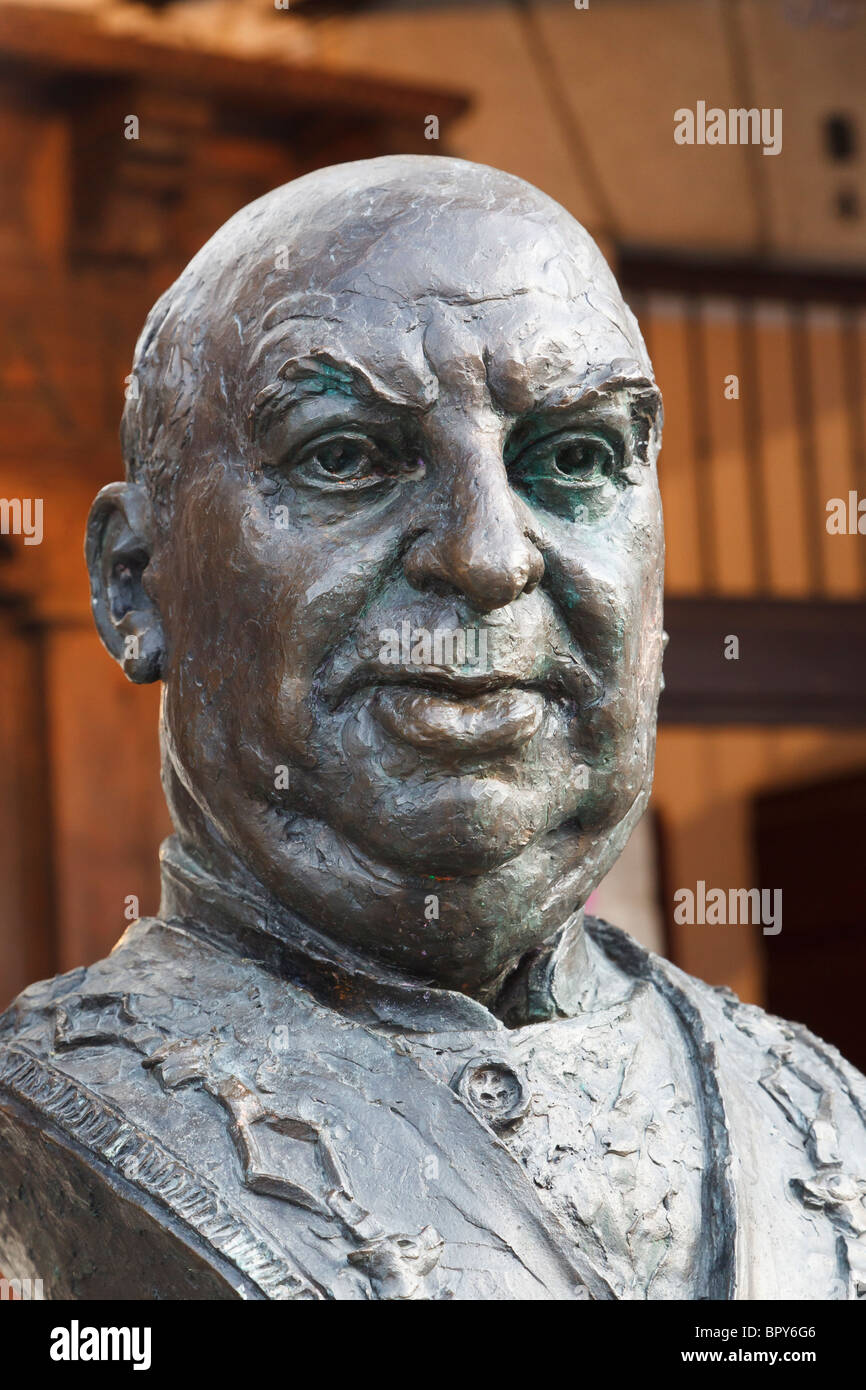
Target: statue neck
[
  {"x": 235, "y": 913},
  {"x": 510, "y": 939}
]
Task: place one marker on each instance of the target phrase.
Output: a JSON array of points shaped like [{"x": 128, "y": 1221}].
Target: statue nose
[{"x": 478, "y": 545}]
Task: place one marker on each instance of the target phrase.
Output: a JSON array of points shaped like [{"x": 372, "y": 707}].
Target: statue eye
[
  {"x": 350, "y": 462},
  {"x": 573, "y": 472},
  {"x": 345, "y": 460},
  {"x": 583, "y": 460}
]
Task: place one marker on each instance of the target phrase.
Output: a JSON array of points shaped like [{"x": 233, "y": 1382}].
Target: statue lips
[
  {"x": 461, "y": 715},
  {"x": 434, "y": 719}
]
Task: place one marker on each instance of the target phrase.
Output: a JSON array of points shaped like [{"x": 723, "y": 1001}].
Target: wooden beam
[
  {"x": 55, "y": 40},
  {"x": 645, "y": 269},
  {"x": 800, "y": 662}
]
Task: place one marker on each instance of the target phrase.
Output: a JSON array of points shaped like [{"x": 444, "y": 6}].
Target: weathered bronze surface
[{"x": 391, "y": 538}]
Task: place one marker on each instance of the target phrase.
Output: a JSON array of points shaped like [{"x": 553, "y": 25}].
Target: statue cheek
[
  {"x": 270, "y": 728},
  {"x": 295, "y": 720}
]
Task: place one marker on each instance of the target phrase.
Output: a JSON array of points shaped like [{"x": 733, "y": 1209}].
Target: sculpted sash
[{"x": 349, "y": 1172}]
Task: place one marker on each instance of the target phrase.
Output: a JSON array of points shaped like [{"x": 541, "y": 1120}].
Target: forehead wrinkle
[
  {"x": 274, "y": 334},
  {"x": 463, "y": 298},
  {"x": 454, "y": 349},
  {"x": 336, "y": 313}
]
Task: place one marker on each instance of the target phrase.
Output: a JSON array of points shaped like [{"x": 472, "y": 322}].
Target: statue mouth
[
  {"x": 462, "y": 712},
  {"x": 447, "y": 718}
]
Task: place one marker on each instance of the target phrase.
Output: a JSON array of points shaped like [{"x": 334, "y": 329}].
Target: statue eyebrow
[
  {"x": 319, "y": 374},
  {"x": 641, "y": 391}
]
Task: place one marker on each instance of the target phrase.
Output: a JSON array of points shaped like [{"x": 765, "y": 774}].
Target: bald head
[{"x": 347, "y": 269}]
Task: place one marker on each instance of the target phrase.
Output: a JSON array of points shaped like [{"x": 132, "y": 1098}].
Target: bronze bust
[{"x": 391, "y": 538}]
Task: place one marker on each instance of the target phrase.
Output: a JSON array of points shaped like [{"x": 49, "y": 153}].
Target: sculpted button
[{"x": 492, "y": 1088}]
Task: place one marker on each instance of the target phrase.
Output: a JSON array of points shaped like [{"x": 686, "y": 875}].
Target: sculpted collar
[{"x": 556, "y": 980}]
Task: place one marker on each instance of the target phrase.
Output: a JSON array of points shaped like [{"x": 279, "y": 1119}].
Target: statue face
[{"x": 412, "y": 605}]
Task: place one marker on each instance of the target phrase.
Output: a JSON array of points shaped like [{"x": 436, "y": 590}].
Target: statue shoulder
[
  {"x": 787, "y": 1116},
  {"x": 90, "y": 1137},
  {"x": 780, "y": 1042},
  {"x": 748, "y": 1046}
]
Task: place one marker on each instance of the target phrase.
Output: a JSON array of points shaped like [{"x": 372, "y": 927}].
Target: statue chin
[
  {"x": 421, "y": 819},
  {"x": 468, "y": 826}
]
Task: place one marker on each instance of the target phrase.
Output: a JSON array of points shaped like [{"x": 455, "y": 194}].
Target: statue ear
[{"x": 118, "y": 549}]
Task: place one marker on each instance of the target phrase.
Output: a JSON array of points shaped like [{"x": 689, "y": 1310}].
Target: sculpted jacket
[{"x": 230, "y": 1107}]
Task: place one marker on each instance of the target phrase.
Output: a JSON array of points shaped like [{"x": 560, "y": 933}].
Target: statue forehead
[
  {"x": 390, "y": 245},
  {"x": 407, "y": 268}
]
